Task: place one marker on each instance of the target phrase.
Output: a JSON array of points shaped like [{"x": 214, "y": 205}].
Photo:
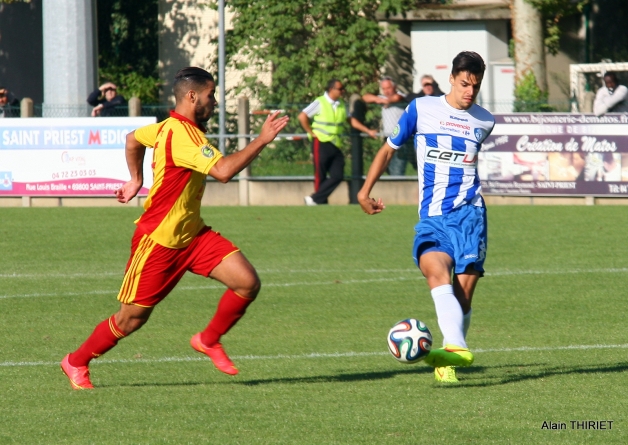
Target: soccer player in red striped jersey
[{"x": 171, "y": 238}]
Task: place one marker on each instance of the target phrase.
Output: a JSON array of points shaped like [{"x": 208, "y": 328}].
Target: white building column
[{"x": 70, "y": 56}]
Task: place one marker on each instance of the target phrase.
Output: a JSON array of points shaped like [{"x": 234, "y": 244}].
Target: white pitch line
[
  {"x": 316, "y": 355},
  {"x": 311, "y": 271},
  {"x": 220, "y": 286},
  {"x": 59, "y": 275},
  {"x": 415, "y": 276}
]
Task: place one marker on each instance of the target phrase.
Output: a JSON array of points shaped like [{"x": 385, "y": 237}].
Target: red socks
[
  {"x": 231, "y": 308},
  {"x": 105, "y": 337}
]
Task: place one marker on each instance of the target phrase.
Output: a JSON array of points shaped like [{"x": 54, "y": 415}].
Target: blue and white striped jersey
[{"x": 447, "y": 142}]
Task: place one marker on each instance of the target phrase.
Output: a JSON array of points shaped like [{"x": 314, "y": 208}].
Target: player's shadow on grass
[
  {"x": 351, "y": 377},
  {"x": 476, "y": 376},
  {"x": 504, "y": 374}
]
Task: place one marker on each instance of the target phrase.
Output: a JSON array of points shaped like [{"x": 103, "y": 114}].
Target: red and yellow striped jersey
[{"x": 182, "y": 158}]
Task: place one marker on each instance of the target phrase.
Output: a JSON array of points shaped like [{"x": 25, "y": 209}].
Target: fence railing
[{"x": 288, "y": 155}]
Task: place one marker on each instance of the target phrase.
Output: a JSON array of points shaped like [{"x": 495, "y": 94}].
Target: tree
[
  {"x": 527, "y": 31},
  {"x": 552, "y": 12},
  {"x": 292, "y": 48},
  {"x": 128, "y": 48},
  {"x": 303, "y": 44},
  {"x": 609, "y": 33},
  {"x": 536, "y": 28}
]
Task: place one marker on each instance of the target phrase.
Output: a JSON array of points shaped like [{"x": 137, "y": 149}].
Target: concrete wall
[{"x": 188, "y": 36}]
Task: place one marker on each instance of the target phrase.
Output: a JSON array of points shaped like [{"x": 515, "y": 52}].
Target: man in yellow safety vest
[{"x": 329, "y": 116}]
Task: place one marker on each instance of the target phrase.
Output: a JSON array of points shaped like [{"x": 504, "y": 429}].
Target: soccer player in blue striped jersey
[{"x": 451, "y": 237}]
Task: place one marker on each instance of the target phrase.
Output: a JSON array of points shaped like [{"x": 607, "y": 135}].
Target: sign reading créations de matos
[{"x": 556, "y": 154}]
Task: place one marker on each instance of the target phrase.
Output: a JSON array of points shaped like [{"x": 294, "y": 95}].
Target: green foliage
[
  {"x": 529, "y": 97},
  {"x": 553, "y": 11},
  {"x": 128, "y": 48},
  {"x": 131, "y": 83},
  {"x": 302, "y": 45},
  {"x": 608, "y": 35},
  {"x": 305, "y": 44}
]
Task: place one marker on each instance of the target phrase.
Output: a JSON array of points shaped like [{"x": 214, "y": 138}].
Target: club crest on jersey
[
  {"x": 208, "y": 151},
  {"x": 396, "y": 130},
  {"x": 480, "y": 134}
]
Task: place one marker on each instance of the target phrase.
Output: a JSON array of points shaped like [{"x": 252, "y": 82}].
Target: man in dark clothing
[
  {"x": 105, "y": 99},
  {"x": 429, "y": 87},
  {"x": 9, "y": 105}
]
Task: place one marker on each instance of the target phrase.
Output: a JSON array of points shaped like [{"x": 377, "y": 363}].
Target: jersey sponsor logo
[
  {"x": 456, "y": 118},
  {"x": 455, "y": 130},
  {"x": 396, "y": 130},
  {"x": 451, "y": 158},
  {"x": 455, "y": 125},
  {"x": 480, "y": 134},
  {"x": 208, "y": 151}
]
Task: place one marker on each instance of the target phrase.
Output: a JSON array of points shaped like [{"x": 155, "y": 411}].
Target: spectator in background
[
  {"x": 390, "y": 99},
  {"x": 105, "y": 99},
  {"x": 9, "y": 104},
  {"x": 329, "y": 118},
  {"x": 429, "y": 87},
  {"x": 612, "y": 97}
]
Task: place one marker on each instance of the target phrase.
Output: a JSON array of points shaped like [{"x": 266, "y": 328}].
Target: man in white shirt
[
  {"x": 612, "y": 97},
  {"x": 393, "y": 104}
]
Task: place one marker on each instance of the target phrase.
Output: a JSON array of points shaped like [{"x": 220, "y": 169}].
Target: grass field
[{"x": 549, "y": 332}]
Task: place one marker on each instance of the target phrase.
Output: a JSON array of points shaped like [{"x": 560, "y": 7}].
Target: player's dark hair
[
  {"x": 190, "y": 78},
  {"x": 468, "y": 61},
  {"x": 331, "y": 84}
]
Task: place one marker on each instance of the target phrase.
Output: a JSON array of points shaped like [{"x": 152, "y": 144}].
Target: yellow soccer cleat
[
  {"x": 445, "y": 374},
  {"x": 450, "y": 355}
]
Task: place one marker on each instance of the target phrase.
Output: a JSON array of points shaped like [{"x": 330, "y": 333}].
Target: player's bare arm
[
  {"x": 229, "y": 166},
  {"x": 382, "y": 158},
  {"x": 134, "y": 152}
]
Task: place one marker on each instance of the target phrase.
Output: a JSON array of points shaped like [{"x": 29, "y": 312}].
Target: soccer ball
[{"x": 409, "y": 341}]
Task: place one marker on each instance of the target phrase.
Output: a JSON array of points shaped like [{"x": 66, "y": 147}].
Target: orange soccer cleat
[
  {"x": 79, "y": 375},
  {"x": 217, "y": 355}
]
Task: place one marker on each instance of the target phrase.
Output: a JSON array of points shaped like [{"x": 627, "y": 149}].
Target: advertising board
[
  {"x": 556, "y": 154},
  {"x": 67, "y": 156}
]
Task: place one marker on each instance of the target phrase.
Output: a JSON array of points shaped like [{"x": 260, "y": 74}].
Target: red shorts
[{"x": 154, "y": 270}]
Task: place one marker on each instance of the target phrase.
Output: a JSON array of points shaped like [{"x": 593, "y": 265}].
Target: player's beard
[{"x": 202, "y": 113}]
